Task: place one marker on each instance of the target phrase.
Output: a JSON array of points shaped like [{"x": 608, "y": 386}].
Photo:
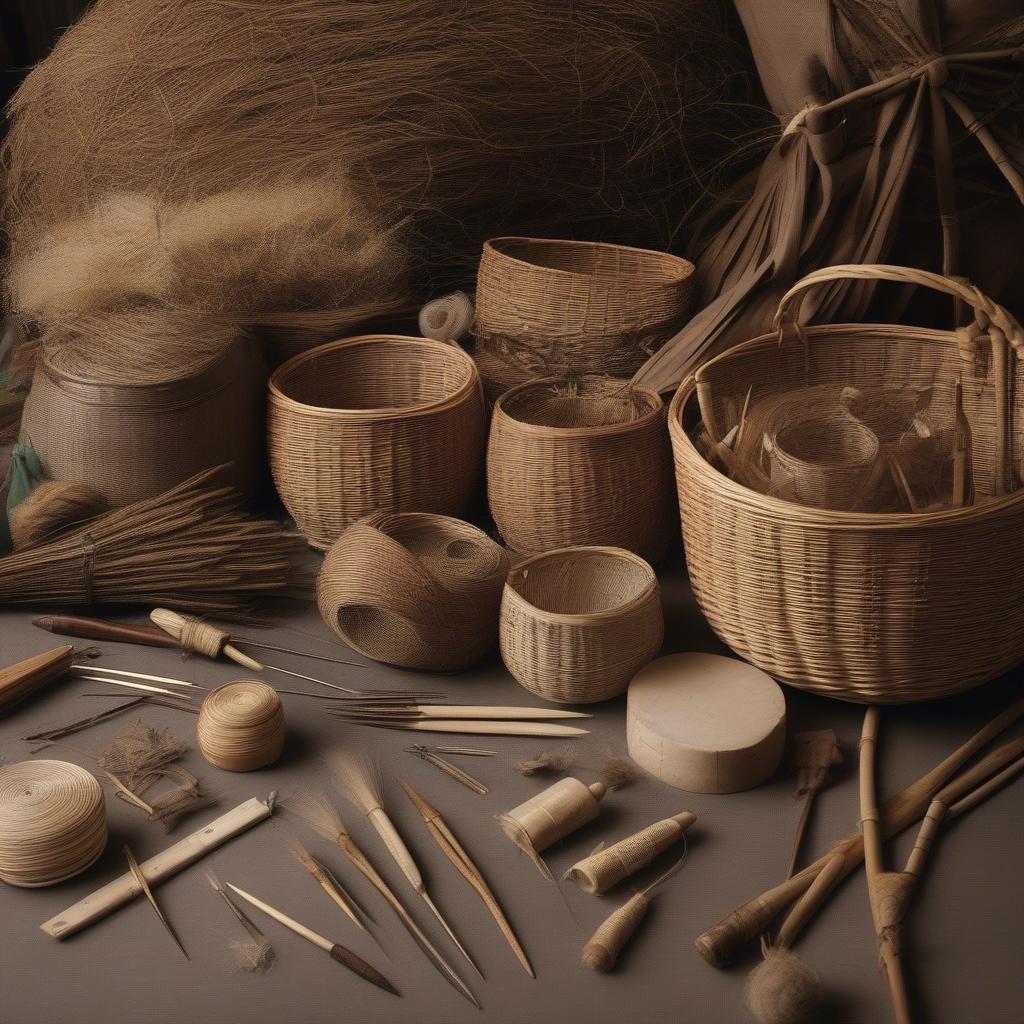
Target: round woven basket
[
  {"x": 864, "y": 606},
  {"x": 241, "y": 726},
  {"x": 53, "y": 822},
  {"x": 132, "y": 440},
  {"x": 416, "y": 590},
  {"x": 551, "y": 307},
  {"x": 581, "y": 463},
  {"x": 578, "y": 623},
  {"x": 375, "y": 423}
]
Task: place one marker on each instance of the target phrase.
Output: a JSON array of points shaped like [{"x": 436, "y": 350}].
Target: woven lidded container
[
  {"x": 865, "y": 606},
  {"x": 581, "y": 462},
  {"x": 578, "y": 623},
  {"x": 132, "y": 426},
  {"x": 374, "y": 423},
  {"x": 551, "y": 307}
]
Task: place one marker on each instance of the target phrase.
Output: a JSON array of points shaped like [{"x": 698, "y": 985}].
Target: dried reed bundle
[
  {"x": 241, "y": 726},
  {"x": 189, "y": 547},
  {"x": 21, "y": 680},
  {"x": 52, "y": 507},
  {"x": 567, "y": 117},
  {"x": 53, "y": 822}
]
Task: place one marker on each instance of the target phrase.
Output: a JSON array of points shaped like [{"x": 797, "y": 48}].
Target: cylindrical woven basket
[
  {"x": 415, "y": 590},
  {"x": 551, "y": 307},
  {"x": 375, "y": 423},
  {"x": 583, "y": 462},
  {"x": 241, "y": 726},
  {"x": 864, "y": 606},
  {"x": 132, "y": 436},
  {"x": 578, "y": 623},
  {"x": 53, "y": 822}
]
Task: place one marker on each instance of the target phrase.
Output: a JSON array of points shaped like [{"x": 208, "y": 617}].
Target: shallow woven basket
[
  {"x": 131, "y": 442},
  {"x": 578, "y": 623},
  {"x": 579, "y": 463},
  {"x": 374, "y": 423},
  {"x": 416, "y": 590},
  {"x": 551, "y": 307},
  {"x": 867, "y": 607}
]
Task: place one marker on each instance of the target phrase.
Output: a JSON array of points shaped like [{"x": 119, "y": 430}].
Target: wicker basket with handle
[
  {"x": 864, "y": 606},
  {"x": 552, "y": 307},
  {"x": 374, "y": 423}
]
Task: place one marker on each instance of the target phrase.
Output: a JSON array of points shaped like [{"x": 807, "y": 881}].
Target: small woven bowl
[
  {"x": 241, "y": 726},
  {"x": 578, "y": 623},
  {"x": 53, "y": 822}
]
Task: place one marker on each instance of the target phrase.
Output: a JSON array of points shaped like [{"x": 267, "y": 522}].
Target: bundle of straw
[{"x": 190, "y": 547}]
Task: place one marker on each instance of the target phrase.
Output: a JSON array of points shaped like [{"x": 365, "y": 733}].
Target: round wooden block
[{"x": 705, "y": 723}]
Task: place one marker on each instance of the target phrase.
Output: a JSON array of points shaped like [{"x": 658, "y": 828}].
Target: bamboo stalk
[{"x": 883, "y": 886}]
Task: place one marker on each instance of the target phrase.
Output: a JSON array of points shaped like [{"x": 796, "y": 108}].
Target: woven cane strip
[
  {"x": 241, "y": 726},
  {"x": 578, "y": 623},
  {"x": 599, "y": 872},
  {"x": 416, "y": 590},
  {"x": 130, "y": 441},
  {"x": 581, "y": 462},
  {"x": 868, "y": 607},
  {"x": 603, "y": 949},
  {"x": 53, "y": 822},
  {"x": 374, "y": 423},
  {"x": 547, "y": 306}
]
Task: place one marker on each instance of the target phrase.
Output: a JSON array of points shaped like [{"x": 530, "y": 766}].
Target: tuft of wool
[
  {"x": 548, "y": 762},
  {"x": 253, "y": 957},
  {"x": 619, "y": 771},
  {"x": 782, "y": 989},
  {"x": 52, "y": 507}
]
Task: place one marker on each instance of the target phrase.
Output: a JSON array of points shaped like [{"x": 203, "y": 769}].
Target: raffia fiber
[
  {"x": 374, "y": 423},
  {"x": 241, "y": 726},
  {"x": 869, "y": 607},
  {"x": 51, "y": 508},
  {"x": 578, "y": 623},
  {"x": 414, "y": 590},
  {"x": 471, "y": 118},
  {"x": 581, "y": 462},
  {"x": 53, "y": 822},
  {"x": 133, "y": 403},
  {"x": 546, "y": 307}
]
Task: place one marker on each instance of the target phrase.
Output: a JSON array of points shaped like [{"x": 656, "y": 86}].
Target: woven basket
[
  {"x": 867, "y": 607},
  {"x": 374, "y": 423},
  {"x": 581, "y": 463},
  {"x": 578, "y": 623},
  {"x": 416, "y": 590},
  {"x": 549, "y": 307},
  {"x": 131, "y": 442}
]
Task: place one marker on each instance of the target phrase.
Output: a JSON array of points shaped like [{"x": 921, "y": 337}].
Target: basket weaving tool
[{"x": 140, "y": 879}]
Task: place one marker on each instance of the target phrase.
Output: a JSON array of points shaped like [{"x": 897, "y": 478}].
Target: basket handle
[{"x": 987, "y": 314}]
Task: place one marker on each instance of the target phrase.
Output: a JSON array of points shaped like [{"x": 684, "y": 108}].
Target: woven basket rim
[
  {"x": 603, "y": 430},
  {"x": 583, "y": 618},
  {"x": 445, "y": 526},
  {"x": 284, "y": 400},
  {"x": 831, "y": 519},
  {"x": 684, "y": 268}
]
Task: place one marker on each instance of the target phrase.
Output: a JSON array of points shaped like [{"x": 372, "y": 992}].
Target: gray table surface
[{"x": 963, "y": 939}]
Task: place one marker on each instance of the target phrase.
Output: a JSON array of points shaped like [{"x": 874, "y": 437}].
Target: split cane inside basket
[{"x": 910, "y": 593}]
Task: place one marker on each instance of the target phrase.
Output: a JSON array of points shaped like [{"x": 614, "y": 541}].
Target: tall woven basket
[
  {"x": 550, "y": 307},
  {"x": 864, "y": 606},
  {"x": 585, "y": 461},
  {"x": 374, "y": 423}
]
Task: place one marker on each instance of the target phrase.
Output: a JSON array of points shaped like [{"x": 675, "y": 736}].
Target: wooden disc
[{"x": 705, "y": 723}]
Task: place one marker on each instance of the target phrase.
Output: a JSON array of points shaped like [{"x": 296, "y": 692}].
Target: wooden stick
[
  {"x": 140, "y": 878},
  {"x": 22, "y": 680},
  {"x": 723, "y": 941},
  {"x": 883, "y": 886},
  {"x": 164, "y": 865},
  {"x": 464, "y": 864},
  {"x": 536, "y": 729},
  {"x": 176, "y": 624}
]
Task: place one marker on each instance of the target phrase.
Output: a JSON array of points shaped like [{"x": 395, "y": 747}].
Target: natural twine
[{"x": 241, "y": 726}]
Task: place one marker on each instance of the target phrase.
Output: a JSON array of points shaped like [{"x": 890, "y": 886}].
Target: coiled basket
[
  {"x": 553, "y": 307},
  {"x": 578, "y": 623},
  {"x": 374, "y": 423},
  {"x": 863, "y": 606},
  {"x": 581, "y": 462}
]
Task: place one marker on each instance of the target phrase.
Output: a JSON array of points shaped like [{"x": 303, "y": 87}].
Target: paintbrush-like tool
[
  {"x": 140, "y": 878},
  {"x": 430, "y": 755},
  {"x": 358, "y": 778},
  {"x": 323, "y": 816},
  {"x": 453, "y": 850},
  {"x": 344, "y": 956}
]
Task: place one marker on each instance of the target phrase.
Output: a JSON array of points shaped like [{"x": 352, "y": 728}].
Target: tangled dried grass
[{"x": 594, "y": 117}]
